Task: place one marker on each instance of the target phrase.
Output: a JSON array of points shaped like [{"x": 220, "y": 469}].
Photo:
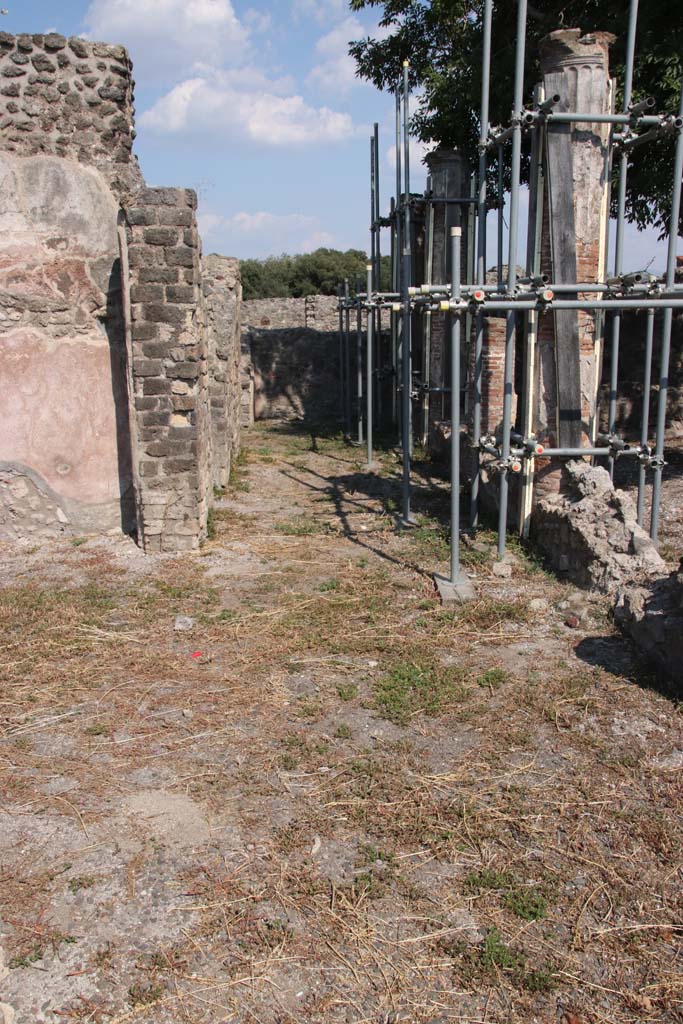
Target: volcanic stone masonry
[
  {"x": 120, "y": 345},
  {"x": 290, "y": 364}
]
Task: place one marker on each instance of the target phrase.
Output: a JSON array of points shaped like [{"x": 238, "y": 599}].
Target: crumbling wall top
[{"x": 71, "y": 98}]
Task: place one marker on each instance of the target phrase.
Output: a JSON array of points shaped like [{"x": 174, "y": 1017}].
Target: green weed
[{"x": 419, "y": 686}]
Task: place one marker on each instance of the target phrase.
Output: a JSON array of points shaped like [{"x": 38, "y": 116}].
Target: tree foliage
[
  {"x": 315, "y": 273},
  {"x": 442, "y": 39}
]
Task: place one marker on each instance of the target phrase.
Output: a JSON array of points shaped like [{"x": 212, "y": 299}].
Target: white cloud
[
  {"x": 262, "y": 233},
  {"x": 260, "y": 21},
  {"x": 245, "y": 104},
  {"x": 322, "y": 10},
  {"x": 336, "y": 72},
  {"x": 170, "y": 37}
]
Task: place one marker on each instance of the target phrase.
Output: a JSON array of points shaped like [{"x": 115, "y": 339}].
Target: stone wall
[
  {"x": 295, "y": 373},
  {"x": 119, "y": 364},
  {"x": 223, "y": 298},
  {"x": 317, "y": 312},
  {"x": 69, "y": 98},
  {"x": 290, "y": 356},
  {"x": 169, "y": 368},
  {"x": 65, "y": 449}
]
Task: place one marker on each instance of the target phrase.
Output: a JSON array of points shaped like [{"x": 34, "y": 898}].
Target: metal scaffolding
[{"x": 398, "y": 362}]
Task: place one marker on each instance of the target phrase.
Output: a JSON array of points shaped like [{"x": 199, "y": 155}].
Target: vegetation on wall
[
  {"x": 443, "y": 41},
  {"x": 314, "y": 273}
]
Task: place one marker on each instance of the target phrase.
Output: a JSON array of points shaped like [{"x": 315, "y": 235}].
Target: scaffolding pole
[
  {"x": 481, "y": 256},
  {"x": 510, "y": 328}
]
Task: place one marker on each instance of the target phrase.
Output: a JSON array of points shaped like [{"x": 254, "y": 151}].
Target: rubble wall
[{"x": 69, "y": 98}]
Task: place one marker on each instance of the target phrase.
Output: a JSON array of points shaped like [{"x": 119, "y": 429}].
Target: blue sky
[{"x": 254, "y": 103}]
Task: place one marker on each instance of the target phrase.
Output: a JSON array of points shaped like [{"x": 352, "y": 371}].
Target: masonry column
[
  {"x": 161, "y": 269},
  {"x": 575, "y": 67},
  {"x": 222, "y": 291},
  {"x": 449, "y": 176}
]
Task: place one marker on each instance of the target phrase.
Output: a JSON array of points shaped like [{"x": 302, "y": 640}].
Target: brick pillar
[
  {"x": 570, "y": 343},
  {"x": 449, "y": 175},
  {"x": 169, "y": 368}
]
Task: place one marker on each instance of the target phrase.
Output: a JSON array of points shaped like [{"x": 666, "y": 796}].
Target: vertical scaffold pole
[
  {"x": 501, "y": 217},
  {"x": 359, "y": 360},
  {"x": 427, "y": 329},
  {"x": 399, "y": 258},
  {"x": 342, "y": 393},
  {"x": 481, "y": 258},
  {"x": 619, "y": 239},
  {"x": 368, "y": 363},
  {"x": 378, "y": 279},
  {"x": 510, "y": 329},
  {"x": 456, "y": 277},
  {"x": 373, "y": 185},
  {"x": 394, "y": 286},
  {"x": 347, "y": 354},
  {"x": 645, "y": 422},
  {"x": 406, "y": 278},
  {"x": 666, "y": 330}
]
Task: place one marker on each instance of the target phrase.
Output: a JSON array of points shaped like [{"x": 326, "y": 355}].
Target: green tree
[
  {"x": 315, "y": 273},
  {"x": 442, "y": 39}
]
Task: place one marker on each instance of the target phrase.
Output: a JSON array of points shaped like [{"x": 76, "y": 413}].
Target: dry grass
[{"x": 409, "y": 819}]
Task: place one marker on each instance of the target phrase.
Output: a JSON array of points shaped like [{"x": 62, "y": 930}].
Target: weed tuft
[{"x": 418, "y": 687}]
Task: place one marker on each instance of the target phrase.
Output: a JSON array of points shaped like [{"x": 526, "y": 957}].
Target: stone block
[
  {"x": 144, "y": 403},
  {"x": 43, "y": 63},
  {"x": 156, "y": 386},
  {"x": 54, "y": 41},
  {"x": 186, "y": 371},
  {"x": 154, "y": 349},
  {"x": 161, "y": 275},
  {"x": 176, "y": 216},
  {"x": 141, "y": 215},
  {"x": 164, "y": 314},
  {"x": 79, "y": 47},
  {"x": 156, "y": 419},
  {"x": 184, "y": 404},
  {"x": 147, "y": 293},
  {"x": 180, "y": 256},
  {"x": 161, "y": 236},
  {"x": 144, "y": 256},
  {"x": 147, "y": 367},
  {"x": 160, "y": 448},
  {"x": 142, "y": 331},
  {"x": 181, "y": 293}
]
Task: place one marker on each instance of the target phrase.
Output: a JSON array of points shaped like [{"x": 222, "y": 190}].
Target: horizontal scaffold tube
[
  {"x": 511, "y": 304},
  {"x": 524, "y": 291}
]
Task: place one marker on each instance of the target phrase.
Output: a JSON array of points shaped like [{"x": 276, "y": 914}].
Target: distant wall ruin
[
  {"x": 290, "y": 358},
  {"x": 119, "y": 343}
]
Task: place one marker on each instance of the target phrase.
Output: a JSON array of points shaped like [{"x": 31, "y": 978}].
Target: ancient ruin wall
[
  {"x": 66, "y": 131},
  {"x": 223, "y": 299},
  {"x": 318, "y": 312},
  {"x": 289, "y": 365},
  {"x": 65, "y": 461},
  {"x": 122, "y": 403},
  {"x": 169, "y": 368},
  {"x": 69, "y": 98}
]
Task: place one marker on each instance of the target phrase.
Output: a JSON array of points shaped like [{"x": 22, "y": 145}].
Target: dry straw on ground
[{"x": 329, "y": 800}]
